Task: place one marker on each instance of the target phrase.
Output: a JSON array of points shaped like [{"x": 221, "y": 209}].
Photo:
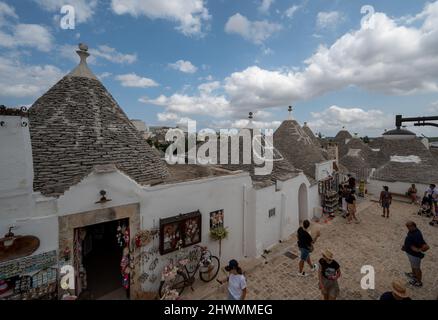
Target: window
[{"x": 272, "y": 213}]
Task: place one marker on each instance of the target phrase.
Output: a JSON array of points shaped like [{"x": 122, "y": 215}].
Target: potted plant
[{"x": 218, "y": 234}]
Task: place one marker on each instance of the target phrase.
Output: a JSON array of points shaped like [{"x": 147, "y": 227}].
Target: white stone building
[{"x": 83, "y": 170}]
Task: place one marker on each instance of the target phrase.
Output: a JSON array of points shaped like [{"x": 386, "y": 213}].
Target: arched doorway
[{"x": 303, "y": 203}]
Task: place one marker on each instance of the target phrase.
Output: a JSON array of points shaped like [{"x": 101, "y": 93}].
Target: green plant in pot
[{"x": 219, "y": 234}]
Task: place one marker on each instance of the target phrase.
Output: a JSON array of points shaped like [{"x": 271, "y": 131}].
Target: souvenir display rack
[
  {"x": 30, "y": 278},
  {"x": 328, "y": 189},
  {"x": 331, "y": 202}
]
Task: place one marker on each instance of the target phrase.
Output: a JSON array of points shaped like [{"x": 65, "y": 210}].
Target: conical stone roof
[
  {"x": 77, "y": 125},
  {"x": 312, "y": 136},
  {"x": 282, "y": 169},
  {"x": 342, "y": 138},
  {"x": 297, "y": 147}
]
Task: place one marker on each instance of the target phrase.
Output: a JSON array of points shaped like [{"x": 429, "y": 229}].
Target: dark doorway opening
[{"x": 101, "y": 257}]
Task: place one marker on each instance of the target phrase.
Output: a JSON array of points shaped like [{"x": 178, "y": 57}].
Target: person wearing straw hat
[
  {"x": 329, "y": 273},
  {"x": 399, "y": 292}
]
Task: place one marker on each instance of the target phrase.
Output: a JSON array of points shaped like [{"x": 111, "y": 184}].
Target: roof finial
[
  {"x": 250, "y": 124},
  {"x": 290, "y": 112},
  {"x": 83, "y": 52},
  {"x": 305, "y": 124},
  {"x": 82, "y": 69}
]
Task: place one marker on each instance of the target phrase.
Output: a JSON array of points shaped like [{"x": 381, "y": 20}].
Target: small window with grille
[{"x": 272, "y": 213}]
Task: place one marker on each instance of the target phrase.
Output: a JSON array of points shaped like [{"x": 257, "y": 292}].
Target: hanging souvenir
[
  {"x": 126, "y": 237},
  {"x": 143, "y": 238},
  {"x": 119, "y": 236},
  {"x": 125, "y": 281}
]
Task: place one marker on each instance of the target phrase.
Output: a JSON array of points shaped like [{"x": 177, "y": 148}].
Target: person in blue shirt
[{"x": 415, "y": 246}]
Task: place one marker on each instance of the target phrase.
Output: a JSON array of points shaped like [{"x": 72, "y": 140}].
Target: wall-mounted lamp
[
  {"x": 24, "y": 124},
  {"x": 103, "y": 198}
]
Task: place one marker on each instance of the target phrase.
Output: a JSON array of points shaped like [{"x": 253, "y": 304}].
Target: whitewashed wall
[
  {"x": 323, "y": 170},
  {"x": 284, "y": 198},
  {"x": 164, "y": 201},
  {"x": 376, "y": 186},
  {"x": 314, "y": 200},
  {"x": 19, "y": 206}
]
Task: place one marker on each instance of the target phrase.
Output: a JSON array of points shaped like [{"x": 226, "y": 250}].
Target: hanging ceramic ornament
[
  {"x": 125, "y": 281},
  {"x": 119, "y": 236},
  {"x": 126, "y": 237}
]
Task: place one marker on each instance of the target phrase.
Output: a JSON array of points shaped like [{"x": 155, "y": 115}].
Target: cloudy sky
[{"x": 339, "y": 63}]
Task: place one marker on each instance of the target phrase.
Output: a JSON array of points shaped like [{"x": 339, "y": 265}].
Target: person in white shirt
[{"x": 236, "y": 281}]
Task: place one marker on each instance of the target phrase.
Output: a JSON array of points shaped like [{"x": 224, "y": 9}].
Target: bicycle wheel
[
  {"x": 210, "y": 271},
  {"x": 178, "y": 284}
]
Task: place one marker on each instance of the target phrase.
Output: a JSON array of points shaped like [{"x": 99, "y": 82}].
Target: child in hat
[{"x": 236, "y": 281}]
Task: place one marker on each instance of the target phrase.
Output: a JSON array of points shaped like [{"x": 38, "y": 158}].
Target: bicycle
[{"x": 208, "y": 267}]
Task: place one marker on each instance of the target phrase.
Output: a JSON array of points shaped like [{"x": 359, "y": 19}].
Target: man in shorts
[
  {"x": 415, "y": 246},
  {"x": 305, "y": 244},
  {"x": 385, "y": 201}
]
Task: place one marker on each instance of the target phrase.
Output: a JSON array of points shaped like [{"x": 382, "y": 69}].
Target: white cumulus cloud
[
  {"x": 132, "y": 80},
  {"x": 265, "y": 5},
  {"x": 27, "y": 35},
  {"x": 18, "y": 80},
  {"x": 190, "y": 15},
  {"x": 389, "y": 58},
  {"x": 329, "y": 20},
  {"x": 183, "y": 66},
  {"x": 254, "y": 31},
  {"x": 356, "y": 119},
  {"x": 6, "y": 12}
]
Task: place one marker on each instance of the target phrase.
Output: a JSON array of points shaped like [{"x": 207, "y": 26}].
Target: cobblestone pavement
[{"x": 376, "y": 241}]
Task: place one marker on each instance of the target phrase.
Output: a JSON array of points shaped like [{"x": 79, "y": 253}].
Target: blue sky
[{"x": 214, "y": 61}]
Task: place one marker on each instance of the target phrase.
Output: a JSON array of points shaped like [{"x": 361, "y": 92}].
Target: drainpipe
[
  {"x": 283, "y": 216},
  {"x": 245, "y": 209}
]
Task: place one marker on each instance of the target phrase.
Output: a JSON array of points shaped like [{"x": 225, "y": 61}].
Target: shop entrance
[{"x": 101, "y": 254}]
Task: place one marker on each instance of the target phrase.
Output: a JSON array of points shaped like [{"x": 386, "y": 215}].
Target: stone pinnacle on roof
[
  {"x": 250, "y": 123},
  {"x": 82, "y": 70},
  {"x": 290, "y": 109}
]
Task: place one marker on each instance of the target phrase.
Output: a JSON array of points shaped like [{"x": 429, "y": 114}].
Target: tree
[{"x": 219, "y": 234}]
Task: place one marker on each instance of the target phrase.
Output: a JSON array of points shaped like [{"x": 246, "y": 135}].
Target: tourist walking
[
  {"x": 351, "y": 207},
  {"x": 305, "y": 244},
  {"x": 329, "y": 273},
  {"x": 385, "y": 201},
  {"x": 399, "y": 292},
  {"x": 432, "y": 196},
  {"x": 412, "y": 193},
  {"x": 415, "y": 246},
  {"x": 236, "y": 281},
  {"x": 351, "y": 182}
]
